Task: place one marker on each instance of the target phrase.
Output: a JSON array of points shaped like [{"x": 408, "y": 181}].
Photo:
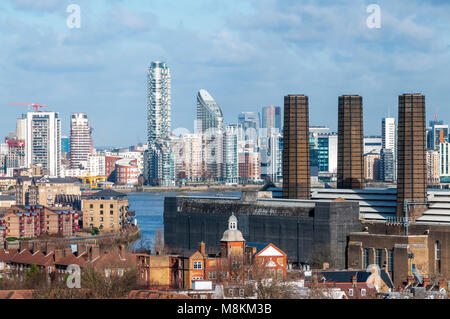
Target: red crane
[{"x": 36, "y": 106}]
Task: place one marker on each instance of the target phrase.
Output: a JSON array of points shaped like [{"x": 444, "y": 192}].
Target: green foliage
[
  {"x": 94, "y": 231},
  {"x": 32, "y": 271},
  {"x": 10, "y": 239}
]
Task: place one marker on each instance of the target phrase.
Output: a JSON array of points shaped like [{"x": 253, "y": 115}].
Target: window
[
  {"x": 91, "y": 219},
  {"x": 101, "y": 219},
  {"x": 111, "y": 212},
  {"x": 366, "y": 258},
  {"x": 241, "y": 292},
  {"x": 197, "y": 278},
  {"x": 212, "y": 275},
  {"x": 350, "y": 292},
  {"x": 91, "y": 206},
  {"x": 197, "y": 265},
  {"x": 101, "y": 212},
  {"x": 107, "y": 273},
  {"x": 101, "y": 205},
  {"x": 378, "y": 256},
  {"x": 391, "y": 260},
  {"x": 363, "y": 292},
  {"x": 111, "y": 206},
  {"x": 120, "y": 272},
  {"x": 437, "y": 253},
  {"x": 236, "y": 264}
]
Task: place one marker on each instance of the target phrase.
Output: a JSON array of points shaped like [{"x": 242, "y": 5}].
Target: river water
[{"x": 149, "y": 208}]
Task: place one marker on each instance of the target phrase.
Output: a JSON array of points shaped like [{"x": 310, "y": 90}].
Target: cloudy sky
[{"x": 247, "y": 54}]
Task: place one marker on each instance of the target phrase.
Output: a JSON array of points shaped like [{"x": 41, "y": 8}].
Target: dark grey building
[{"x": 307, "y": 231}]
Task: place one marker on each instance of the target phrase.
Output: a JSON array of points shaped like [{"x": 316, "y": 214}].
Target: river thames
[{"x": 149, "y": 208}]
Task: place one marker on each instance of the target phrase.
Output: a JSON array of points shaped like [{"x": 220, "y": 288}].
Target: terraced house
[{"x": 32, "y": 221}]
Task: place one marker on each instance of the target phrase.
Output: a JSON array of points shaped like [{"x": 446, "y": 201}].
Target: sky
[{"x": 247, "y": 53}]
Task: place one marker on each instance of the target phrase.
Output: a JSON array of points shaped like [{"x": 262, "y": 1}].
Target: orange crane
[{"x": 36, "y": 106}]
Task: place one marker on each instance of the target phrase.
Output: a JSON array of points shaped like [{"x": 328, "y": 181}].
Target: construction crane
[{"x": 36, "y": 106}]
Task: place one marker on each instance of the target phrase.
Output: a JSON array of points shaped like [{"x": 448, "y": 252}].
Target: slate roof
[
  {"x": 361, "y": 276},
  {"x": 106, "y": 194}
]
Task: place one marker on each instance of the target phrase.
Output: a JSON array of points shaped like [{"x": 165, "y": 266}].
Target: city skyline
[{"x": 88, "y": 69}]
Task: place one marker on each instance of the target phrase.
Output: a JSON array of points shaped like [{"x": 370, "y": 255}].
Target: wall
[{"x": 300, "y": 229}]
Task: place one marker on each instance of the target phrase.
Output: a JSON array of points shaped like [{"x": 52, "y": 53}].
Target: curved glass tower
[{"x": 209, "y": 114}]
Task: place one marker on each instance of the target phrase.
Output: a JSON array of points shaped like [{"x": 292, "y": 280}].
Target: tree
[
  {"x": 158, "y": 244},
  {"x": 94, "y": 231}
]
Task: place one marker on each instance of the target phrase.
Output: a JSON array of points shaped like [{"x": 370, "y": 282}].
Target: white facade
[
  {"x": 332, "y": 153},
  {"x": 209, "y": 114},
  {"x": 43, "y": 142},
  {"x": 388, "y": 133},
  {"x": 230, "y": 154},
  {"x": 159, "y": 102},
  {"x": 80, "y": 140},
  {"x": 96, "y": 165},
  {"x": 444, "y": 160},
  {"x": 372, "y": 145},
  {"x": 389, "y": 146}
]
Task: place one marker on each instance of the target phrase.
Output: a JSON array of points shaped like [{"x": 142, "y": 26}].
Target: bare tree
[{"x": 158, "y": 244}]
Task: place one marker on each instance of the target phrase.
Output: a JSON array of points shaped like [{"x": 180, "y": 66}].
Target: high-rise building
[
  {"x": 372, "y": 167},
  {"x": 411, "y": 156},
  {"x": 159, "y": 102},
  {"x": 65, "y": 144},
  {"x": 15, "y": 157},
  {"x": 248, "y": 124},
  {"x": 433, "y": 168},
  {"x": 444, "y": 161},
  {"x": 249, "y": 166},
  {"x": 372, "y": 144},
  {"x": 437, "y": 134},
  {"x": 159, "y": 126},
  {"x": 389, "y": 149},
  {"x": 209, "y": 114},
  {"x": 271, "y": 159},
  {"x": 230, "y": 154},
  {"x": 296, "y": 171},
  {"x": 80, "y": 140},
  {"x": 271, "y": 117},
  {"x": 43, "y": 142},
  {"x": 350, "y": 173}
]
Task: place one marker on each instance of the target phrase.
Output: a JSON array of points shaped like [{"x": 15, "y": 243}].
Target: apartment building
[
  {"x": 44, "y": 190},
  {"x": 106, "y": 210}
]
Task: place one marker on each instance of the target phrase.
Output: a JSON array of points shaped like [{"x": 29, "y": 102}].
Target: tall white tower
[
  {"x": 160, "y": 164},
  {"x": 43, "y": 141},
  {"x": 389, "y": 149},
  {"x": 159, "y": 102},
  {"x": 80, "y": 140}
]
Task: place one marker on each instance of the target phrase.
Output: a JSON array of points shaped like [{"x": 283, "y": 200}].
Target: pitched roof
[
  {"x": 361, "y": 276},
  {"x": 6, "y": 255}
]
